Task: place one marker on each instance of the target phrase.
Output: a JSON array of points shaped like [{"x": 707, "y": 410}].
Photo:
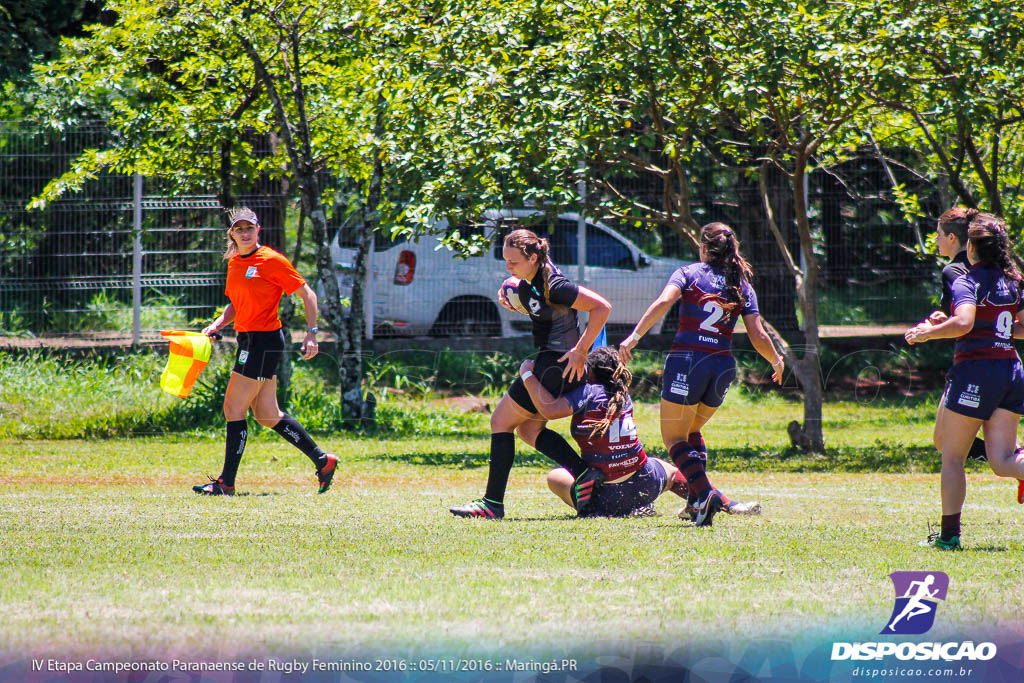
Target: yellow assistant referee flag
[{"x": 190, "y": 352}]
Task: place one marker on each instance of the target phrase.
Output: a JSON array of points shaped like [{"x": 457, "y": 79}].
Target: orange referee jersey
[{"x": 255, "y": 285}]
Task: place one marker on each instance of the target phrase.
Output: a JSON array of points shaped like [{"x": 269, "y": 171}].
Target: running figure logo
[{"x": 917, "y": 596}]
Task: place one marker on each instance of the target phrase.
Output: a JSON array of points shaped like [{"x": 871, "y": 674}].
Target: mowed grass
[{"x": 106, "y": 550}]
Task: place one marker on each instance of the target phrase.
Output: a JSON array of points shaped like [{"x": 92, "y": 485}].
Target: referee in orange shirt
[{"x": 257, "y": 277}]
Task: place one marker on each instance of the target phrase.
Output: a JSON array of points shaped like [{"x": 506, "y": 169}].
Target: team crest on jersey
[
  {"x": 534, "y": 306},
  {"x": 250, "y": 272}
]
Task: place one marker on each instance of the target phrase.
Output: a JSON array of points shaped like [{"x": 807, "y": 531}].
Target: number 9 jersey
[
  {"x": 997, "y": 299},
  {"x": 704, "y": 324}
]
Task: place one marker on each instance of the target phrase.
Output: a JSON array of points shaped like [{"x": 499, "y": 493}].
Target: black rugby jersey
[
  {"x": 954, "y": 269},
  {"x": 553, "y": 329}
]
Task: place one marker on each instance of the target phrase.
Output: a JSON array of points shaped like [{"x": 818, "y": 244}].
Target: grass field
[{"x": 105, "y": 549}]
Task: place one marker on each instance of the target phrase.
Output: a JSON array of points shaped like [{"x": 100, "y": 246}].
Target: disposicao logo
[{"x": 917, "y": 597}]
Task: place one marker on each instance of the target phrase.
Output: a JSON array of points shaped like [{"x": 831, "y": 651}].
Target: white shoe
[{"x": 738, "y": 508}]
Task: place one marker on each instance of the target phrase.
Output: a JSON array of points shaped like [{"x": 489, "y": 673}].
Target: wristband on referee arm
[
  {"x": 633, "y": 338},
  {"x": 527, "y": 375}
]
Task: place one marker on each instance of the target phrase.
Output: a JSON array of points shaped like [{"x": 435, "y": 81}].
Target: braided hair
[
  {"x": 722, "y": 249},
  {"x": 956, "y": 221},
  {"x": 605, "y": 368},
  {"x": 992, "y": 245},
  {"x": 528, "y": 244}
]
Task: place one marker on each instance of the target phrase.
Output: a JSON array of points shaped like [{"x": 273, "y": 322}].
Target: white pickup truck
[{"x": 419, "y": 288}]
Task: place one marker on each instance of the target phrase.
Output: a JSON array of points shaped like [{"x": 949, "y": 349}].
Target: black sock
[
  {"x": 977, "y": 451},
  {"x": 503, "y": 453},
  {"x": 294, "y": 434},
  {"x": 551, "y": 444},
  {"x": 237, "y": 431},
  {"x": 950, "y": 526}
]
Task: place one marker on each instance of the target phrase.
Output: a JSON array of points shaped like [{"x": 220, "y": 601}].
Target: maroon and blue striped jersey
[
  {"x": 997, "y": 299},
  {"x": 704, "y": 325},
  {"x": 618, "y": 451}
]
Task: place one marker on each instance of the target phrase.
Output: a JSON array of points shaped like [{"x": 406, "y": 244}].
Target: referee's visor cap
[{"x": 239, "y": 215}]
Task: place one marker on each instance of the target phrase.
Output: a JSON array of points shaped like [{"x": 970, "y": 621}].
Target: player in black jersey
[
  {"x": 951, "y": 238},
  {"x": 551, "y": 300}
]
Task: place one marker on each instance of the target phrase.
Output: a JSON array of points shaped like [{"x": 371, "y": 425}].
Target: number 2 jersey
[
  {"x": 997, "y": 298},
  {"x": 704, "y": 325},
  {"x": 618, "y": 451}
]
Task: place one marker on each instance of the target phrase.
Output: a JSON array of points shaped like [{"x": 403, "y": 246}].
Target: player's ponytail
[
  {"x": 528, "y": 244},
  {"x": 605, "y": 368},
  {"x": 723, "y": 250},
  {"x": 992, "y": 245}
]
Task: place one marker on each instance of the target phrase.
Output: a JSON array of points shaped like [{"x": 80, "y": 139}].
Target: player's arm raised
[
  {"x": 655, "y": 312},
  {"x": 548, "y": 407}
]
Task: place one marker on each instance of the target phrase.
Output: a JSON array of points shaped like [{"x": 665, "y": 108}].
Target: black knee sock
[
  {"x": 503, "y": 453},
  {"x": 294, "y": 434},
  {"x": 551, "y": 444},
  {"x": 237, "y": 431}
]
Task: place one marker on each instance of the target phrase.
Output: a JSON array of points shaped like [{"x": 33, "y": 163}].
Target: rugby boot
[
  {"x": 689, "y": 512},
  {"x": 936, "y": 541},
  {"x": 738, "y": 508},
  {"x": 215, "y": 487},
  {"x": 644, "y": 511},
  {"x": 585, "y": 486},
  {"x": 326, "y": 473},
  {"x": 481, "y": 508},
  {"x": 1020, "y": 491},
  {"x": 707, "y": 507}
]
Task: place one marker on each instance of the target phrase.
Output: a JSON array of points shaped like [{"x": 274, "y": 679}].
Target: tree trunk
[
  {"x": 810, "y": 365},
  {"x": 356, "y": 407}
]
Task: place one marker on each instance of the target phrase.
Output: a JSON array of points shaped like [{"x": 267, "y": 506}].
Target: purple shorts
[
  {"x": 619, "y": 500},
  {"x": 975, "y": 388},
  {"x": 695, "y": 377}
]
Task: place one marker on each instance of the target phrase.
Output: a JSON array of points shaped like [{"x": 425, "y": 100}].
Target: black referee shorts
[{"x": 259, "y": 354}]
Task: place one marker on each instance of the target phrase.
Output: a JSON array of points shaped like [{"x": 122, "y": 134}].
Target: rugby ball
[{"x": 510, "y": 288}]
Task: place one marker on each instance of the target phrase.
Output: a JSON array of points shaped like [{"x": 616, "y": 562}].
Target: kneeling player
[{"x": 603, "y": 426}]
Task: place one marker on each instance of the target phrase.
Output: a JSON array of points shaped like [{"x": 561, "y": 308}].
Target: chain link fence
[{"x": 127, "y": 256}]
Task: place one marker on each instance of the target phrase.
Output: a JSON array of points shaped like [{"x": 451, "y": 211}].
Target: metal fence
[
  {"x": 121, "y": 259},
  {"x": 127, "y": 256}
]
